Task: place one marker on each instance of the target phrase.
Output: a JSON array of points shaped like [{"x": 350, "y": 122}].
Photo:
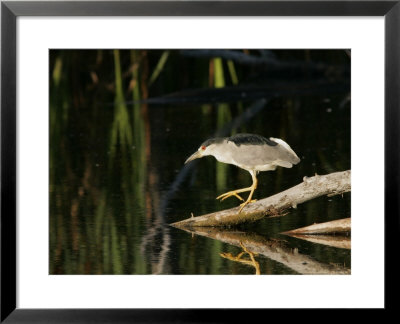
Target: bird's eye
[{"x": 203, "y": 147}]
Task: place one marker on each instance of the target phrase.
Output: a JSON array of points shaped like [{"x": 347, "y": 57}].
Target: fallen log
[
  {"x": 319, "y": 185},
  {"x": 340, "y": 242},
  {"x": 334, "y": 233},
  {"x": 333, "y": 227}
]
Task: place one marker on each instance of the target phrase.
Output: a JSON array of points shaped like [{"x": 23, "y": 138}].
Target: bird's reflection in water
[{"x": 252, "y": 262}]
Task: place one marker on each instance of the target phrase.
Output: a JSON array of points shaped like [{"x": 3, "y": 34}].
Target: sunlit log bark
[
  {"x": 322, "y": 233},
  {"x": 336, "y": 226},
  {"x": 277, "y": 205}
]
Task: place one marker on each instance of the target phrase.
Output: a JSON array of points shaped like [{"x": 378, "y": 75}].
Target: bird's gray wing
[{"x": 251, "y": 156}]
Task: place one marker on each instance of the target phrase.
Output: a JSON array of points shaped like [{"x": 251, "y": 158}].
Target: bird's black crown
[{"x": 213, "y": 141}]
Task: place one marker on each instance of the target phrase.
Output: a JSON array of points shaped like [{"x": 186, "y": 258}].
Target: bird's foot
[
  {"x": 229, "y": 194},
  {"x": 246, "y": 203}
]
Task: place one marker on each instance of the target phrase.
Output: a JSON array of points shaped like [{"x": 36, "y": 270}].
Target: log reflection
[
  {"x": 277, "y": 250},
  {"x": 341, "y": 242}
]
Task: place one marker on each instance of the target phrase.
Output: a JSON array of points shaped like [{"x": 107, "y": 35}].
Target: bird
[{"x": 250, "y": 152}]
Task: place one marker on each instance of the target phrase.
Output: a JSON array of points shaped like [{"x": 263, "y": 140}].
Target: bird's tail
[{"x": 293, "y": 158}]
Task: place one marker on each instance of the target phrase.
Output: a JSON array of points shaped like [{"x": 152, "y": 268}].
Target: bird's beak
[{"x": 194, "y": 156}]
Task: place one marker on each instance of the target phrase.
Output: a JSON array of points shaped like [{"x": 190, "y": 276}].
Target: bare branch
[
  {"x": 336, "y": 226},
  {"x": 277, "y": 205}
]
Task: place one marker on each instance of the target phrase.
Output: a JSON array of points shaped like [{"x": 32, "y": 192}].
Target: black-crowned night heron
[{"x": 250, "y": 152}]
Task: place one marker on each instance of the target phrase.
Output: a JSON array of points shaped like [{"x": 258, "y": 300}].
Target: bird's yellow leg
[
  {"x": 233, "y": 193},
  {"x": 249, "y": 200}
]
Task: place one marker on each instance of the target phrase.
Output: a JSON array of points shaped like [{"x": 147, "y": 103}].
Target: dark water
[{"x": 117, "y": 176}]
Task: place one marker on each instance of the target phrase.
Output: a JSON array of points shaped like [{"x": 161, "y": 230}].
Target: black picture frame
[{"x": 10, "y": 10}]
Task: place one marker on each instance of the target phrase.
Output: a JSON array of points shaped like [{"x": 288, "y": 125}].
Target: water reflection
[
  {"x": 278, "y": 250},
  {"x": 337, "y": 241},
  {"x": 122, "y": 122},
  {"x": 241, "y": 258}
]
